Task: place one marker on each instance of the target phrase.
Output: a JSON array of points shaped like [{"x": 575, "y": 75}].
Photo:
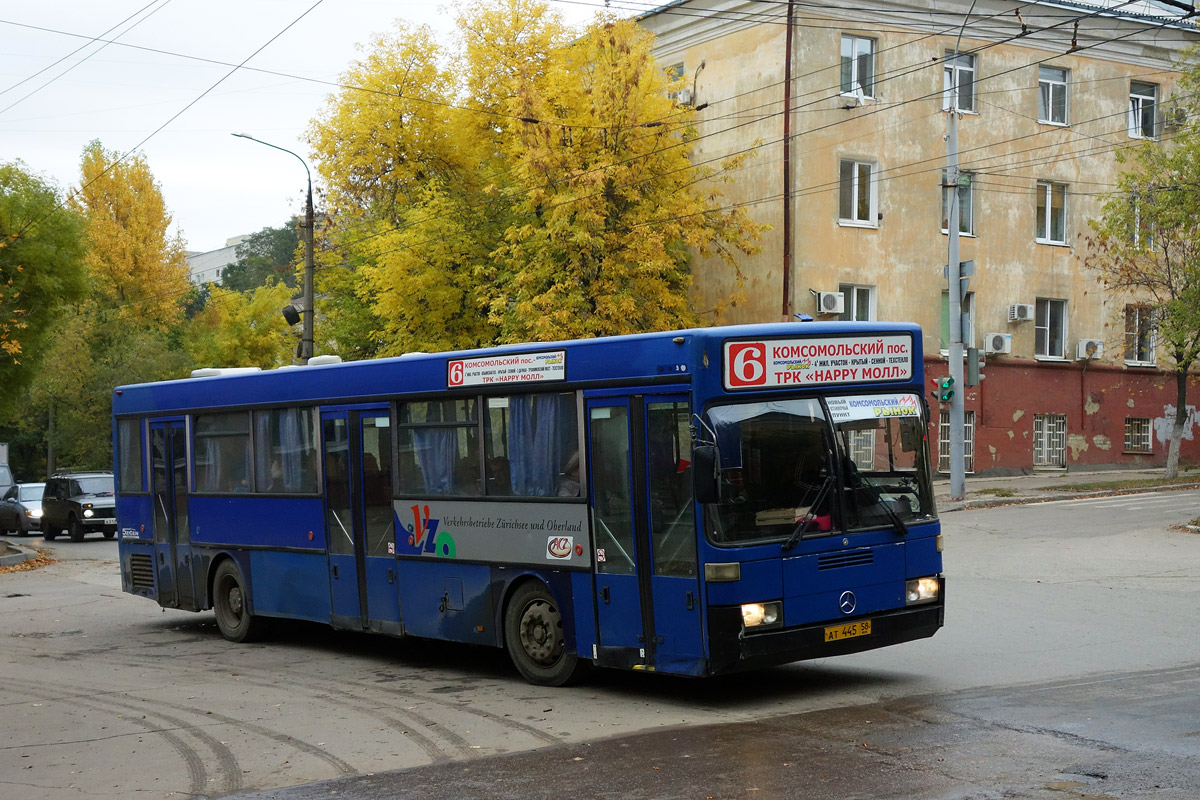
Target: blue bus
[{"x": 693, "y": 502}]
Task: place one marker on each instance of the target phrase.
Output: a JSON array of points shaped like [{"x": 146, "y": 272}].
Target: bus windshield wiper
[{"x": 803, "y": 523}]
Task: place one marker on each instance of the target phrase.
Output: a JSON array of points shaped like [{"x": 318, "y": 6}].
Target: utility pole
[
  {"x": 308, "y": 312},
  {"x": 955, "y": 286}
]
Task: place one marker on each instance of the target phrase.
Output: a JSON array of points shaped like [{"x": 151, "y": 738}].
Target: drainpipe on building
[{"x": 787, "y": 167}]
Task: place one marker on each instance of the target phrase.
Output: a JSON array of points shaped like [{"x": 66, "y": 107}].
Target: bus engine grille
[
  {"x": 141, "y": 571},
  {"x": 854, "y": 558}
]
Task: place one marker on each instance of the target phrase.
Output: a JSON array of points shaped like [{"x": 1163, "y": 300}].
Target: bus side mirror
[{"x": 704, "y": 473}]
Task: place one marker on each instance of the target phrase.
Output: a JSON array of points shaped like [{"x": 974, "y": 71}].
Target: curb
[
  {"x": 967, "y": 505},
  {"x": 22, "y": 555}
]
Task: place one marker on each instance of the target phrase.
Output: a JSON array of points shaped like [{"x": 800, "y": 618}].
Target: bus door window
[
  {"x": 339, "y": 522},
  {"x": 672, "y": 520},
  {"x": 377, "y": 484},
  {"x": 611, "y": 486}
]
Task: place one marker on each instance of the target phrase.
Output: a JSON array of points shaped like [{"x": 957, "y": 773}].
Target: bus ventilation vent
[
  {"x": 141, "y": 571},
  {"x": 855, "y": 558}
]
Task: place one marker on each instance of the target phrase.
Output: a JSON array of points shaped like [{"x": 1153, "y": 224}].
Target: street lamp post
[{"x": 306, "y": 337}]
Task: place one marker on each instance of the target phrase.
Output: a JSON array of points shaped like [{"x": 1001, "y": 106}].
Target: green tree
[
  {"x": 533, "y": 184},
  {"x": 1145, "y": 248},
  {"x": 41, "y": 270},
  {"x": 269, "y": 256}
]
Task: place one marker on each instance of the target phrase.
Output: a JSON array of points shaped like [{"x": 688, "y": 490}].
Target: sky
[{"x": 215, "y": 186}]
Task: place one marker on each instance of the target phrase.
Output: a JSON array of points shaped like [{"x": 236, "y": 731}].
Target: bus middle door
[
  {"x": 647, "y": 589},
  {"x": 359, "y": 519}
]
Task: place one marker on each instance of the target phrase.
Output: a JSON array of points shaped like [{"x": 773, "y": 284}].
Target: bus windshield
[{"x": 803, "y": 466}]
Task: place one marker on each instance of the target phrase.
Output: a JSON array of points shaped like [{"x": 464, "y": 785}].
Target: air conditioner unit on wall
[
  {"x": 1089, "y": 348},
  {"x": 998, "y": 343},
  {"x": 1020, "y": 312},
  {"x": 831, "y": 302}
]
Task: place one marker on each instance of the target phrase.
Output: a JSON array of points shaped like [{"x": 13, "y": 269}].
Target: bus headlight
[
  {"x": 920, "y": 590},
  {"x": 87, "y": 512},
  {"x": 761, "y": 615}
]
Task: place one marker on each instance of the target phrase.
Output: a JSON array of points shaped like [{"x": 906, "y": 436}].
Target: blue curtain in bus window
[
  {"x": 209, "y": 467},
  {"x": 264, "y": 453},
  {"x": 436, "y": 456},
  {"x": 536, "y": 443},
  {"x": 291, "y": 445}
]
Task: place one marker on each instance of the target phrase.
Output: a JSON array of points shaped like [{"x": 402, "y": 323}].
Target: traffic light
[
  {"x": 975, "y": 364},
  {"x": 945, "y": 389}
]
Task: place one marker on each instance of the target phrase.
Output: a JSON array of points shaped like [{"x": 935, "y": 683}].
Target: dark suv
[{"x": 79, "y": 502}]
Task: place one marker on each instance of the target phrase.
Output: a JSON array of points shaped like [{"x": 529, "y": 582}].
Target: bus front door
[
  {"x": 172, "y": 538},
  {"x": 357, "y": 446},
  {"x": 647, "y": 588}
]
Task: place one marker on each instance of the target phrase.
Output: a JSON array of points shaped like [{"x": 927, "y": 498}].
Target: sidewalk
[{"x": 1041, "y": 486}]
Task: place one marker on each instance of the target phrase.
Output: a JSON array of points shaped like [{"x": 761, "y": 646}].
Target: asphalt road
[{"x": 1068, "y": 668}]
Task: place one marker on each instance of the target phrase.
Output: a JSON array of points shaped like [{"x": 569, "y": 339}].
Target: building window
[
  {"x": 1143, "y": 106},
  {"x": 966, "y": 202},
  {"x": 1052, "y": 95},
  {"x": 968, "y": 441},
  {"x": 1143, "y": 233},
  {"x": 962, "y": 70},
  {"x": 1050, "y": 328},
  {"x": 674, "y": 73},
  {"x": 856, "y": 197},
  {"x": 968, "y": 314},
  {"x": 1137, "y": 435},
  {"x": 1141, "y": 333},
  {"x": 860, "y": 302},
  {"x": 1051, "y": 213},
  {"x": 858, "y": 66},
  {"x": 1049, "y": 440}
]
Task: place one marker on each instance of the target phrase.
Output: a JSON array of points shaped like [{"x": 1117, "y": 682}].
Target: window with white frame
[
  {"x": 1051, "y": 213},
  {"x": 968, "y": 441},
  {"x": 858, "y": 66},
  {"x": 1141, "y": 333},
  {"x": 856, "y": 192},
  {"x": 1052, "y": 95},
  {"x": 966, "y": 202},
  {"x": 958, "y": 82},
  {"x": 1050, "y": 328},
  {"x": 1143, "y": 108},
  {"x": 1143, "y": 233},
  {"x": 1137, "y": 435},
  {"x": 860, "y": 302},
  {"x": 1049, "y": 440},
  {"x": 967, "y": 307}
]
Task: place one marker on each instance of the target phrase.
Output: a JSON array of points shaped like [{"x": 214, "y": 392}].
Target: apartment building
[{"x": 1045, "y": 94}]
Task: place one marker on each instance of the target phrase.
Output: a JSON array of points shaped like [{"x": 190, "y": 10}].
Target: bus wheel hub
[{"x": 539, "y": 632}]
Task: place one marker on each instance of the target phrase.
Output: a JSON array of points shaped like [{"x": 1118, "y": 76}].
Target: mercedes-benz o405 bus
[{"x": 693, "y": 502}]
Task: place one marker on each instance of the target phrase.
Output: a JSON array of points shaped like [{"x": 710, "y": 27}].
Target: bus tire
[
  {"x": 534, "y": 638},
  {"x": 234, "y": 619}
]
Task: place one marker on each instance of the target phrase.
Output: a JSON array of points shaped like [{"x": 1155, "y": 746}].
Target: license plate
[
  {"x": 835, "y": 633},
  {"x": 112, "y": 521}
]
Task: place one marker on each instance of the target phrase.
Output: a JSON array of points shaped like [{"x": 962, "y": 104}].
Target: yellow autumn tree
[
  {"x": 531, "y": 184},
  {"x": 241, "y": 329},
  {"x": 138, "y": 270}
]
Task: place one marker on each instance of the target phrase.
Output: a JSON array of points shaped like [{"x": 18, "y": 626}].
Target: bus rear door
[
  {"x": 359, "y": 520},
  {"x": 172, "y": 538},
  {"x": 647, "y": 588}
]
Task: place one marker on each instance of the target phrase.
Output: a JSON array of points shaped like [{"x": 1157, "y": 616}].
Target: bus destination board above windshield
[
  {"x": 818, "y": 361},
  {"x": 508, "y": 368}
]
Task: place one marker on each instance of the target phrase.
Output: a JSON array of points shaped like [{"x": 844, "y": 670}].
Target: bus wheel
[
  {"x": 237, "y": 624},
  {"x": 533, "y": 635}
]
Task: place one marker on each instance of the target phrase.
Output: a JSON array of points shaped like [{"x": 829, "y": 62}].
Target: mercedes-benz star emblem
[{"x": 847, "y": 602}]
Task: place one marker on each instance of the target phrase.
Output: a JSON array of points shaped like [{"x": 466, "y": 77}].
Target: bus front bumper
[{"x": 732, "y": 650}]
